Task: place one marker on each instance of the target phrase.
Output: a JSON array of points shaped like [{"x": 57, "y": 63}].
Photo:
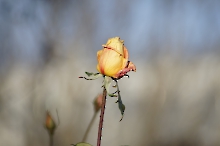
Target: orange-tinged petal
[
  {"x": 99, "y": 70},
  {"x": 131, "y": 66},
  {"x": 124, "y": 63},
  {"x": 99, "y": 53},
  {"x": 126, "y": 55}
]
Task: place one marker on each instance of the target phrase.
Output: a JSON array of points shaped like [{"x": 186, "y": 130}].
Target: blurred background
[{"x": 172, "y": 100}]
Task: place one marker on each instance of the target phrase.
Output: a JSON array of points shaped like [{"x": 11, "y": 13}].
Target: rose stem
[{"x": 101, "y": 118}]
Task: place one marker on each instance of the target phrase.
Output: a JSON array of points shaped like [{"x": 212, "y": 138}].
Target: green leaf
[
  {"x": 121, "y": 106},
  {"x": 82, "y": 144}
]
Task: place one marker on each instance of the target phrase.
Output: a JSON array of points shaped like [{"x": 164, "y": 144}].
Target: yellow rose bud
[{"x": 113, "y": 59}]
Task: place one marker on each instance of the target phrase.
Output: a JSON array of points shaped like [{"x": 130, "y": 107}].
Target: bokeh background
[{"x": 172, "y": 100}]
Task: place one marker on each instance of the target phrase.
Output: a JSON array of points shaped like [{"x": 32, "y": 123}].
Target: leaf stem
[{"x": 101, "y": 118}]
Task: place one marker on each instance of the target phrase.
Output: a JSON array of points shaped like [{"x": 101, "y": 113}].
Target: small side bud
[
  {"x": 50, "y": 124},
  {"x": 98, "y": 102}
]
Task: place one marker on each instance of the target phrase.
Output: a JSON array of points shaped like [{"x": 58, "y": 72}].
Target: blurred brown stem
[
  {"x": 51, "y": 139},
  {"x": 89, "y": 127},
  {"x": 101, "y": 118}
]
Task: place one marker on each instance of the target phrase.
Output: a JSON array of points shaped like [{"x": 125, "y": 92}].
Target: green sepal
[
  {"x": 92, "y": 76},
  {"x": 107, "y": 84}
]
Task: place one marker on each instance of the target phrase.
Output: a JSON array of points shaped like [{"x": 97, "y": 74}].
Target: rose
[
  {"x": 113, "y": 59},
  {"x": 112, "y": 64}
]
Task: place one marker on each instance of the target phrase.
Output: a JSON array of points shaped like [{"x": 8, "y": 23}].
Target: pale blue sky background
[{"x": 185, "y": 27}]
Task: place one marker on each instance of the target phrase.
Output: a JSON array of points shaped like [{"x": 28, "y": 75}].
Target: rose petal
[{"x": 110, "y": 62}]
